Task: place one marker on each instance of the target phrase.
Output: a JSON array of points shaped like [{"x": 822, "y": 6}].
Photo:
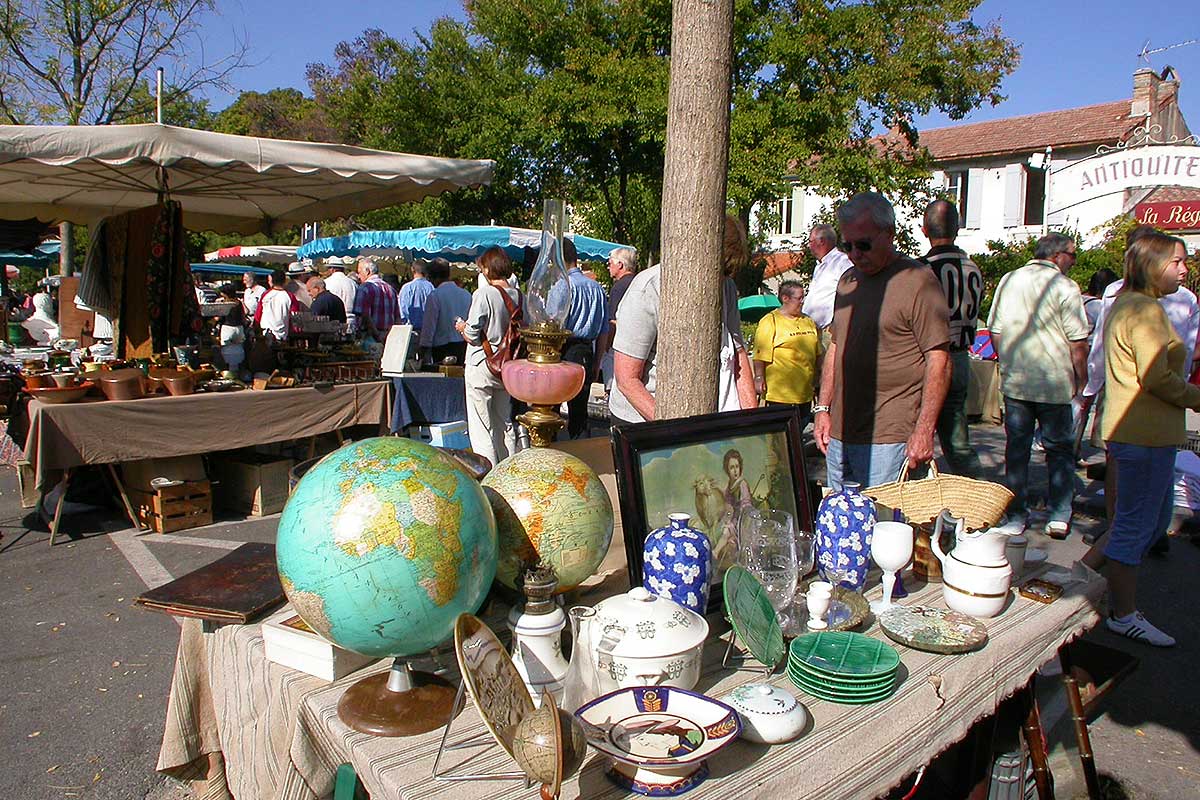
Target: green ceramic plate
[
  {"x": 752, "y": 616},
  {"x": 845, "y": 654},
  {"x": 848, "y": 680},
  {"x": 820, "y": 686},
  {"x": 840, "y": 685},
  {"x": 835, "y": 697},
  {"x": 934, "y": 630}
]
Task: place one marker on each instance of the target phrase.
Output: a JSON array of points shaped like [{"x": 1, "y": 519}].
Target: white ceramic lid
[
  {"x": 645, "y": 625},
  {"x": 762, "y": 698}
]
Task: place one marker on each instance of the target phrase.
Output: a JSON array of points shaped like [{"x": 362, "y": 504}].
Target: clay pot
[{"x": 37, "y": 380}]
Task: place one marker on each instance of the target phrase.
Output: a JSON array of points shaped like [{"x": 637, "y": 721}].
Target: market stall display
[{"x": 381, "y": 546}]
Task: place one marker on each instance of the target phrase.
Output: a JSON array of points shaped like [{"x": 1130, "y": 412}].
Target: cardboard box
[
  {"x": 251, "y": 484},
  {"x": 290, "y": 642},
  {"x": 444, "y": 434}
]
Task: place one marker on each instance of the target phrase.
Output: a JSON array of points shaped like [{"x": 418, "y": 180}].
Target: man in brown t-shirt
[{"x": 888, "y": 366}]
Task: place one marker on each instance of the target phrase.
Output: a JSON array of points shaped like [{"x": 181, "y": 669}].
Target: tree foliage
[
  {"x": 89, "y": 61},
  {"x": 570, "y": 98},
  {"x": 278, "y": 114}
]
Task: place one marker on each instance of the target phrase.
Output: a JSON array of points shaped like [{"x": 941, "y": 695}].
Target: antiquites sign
[{"x": 1130, "y": 168}]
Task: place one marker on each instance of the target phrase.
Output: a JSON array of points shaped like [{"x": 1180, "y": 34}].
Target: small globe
[
  {"x": 383, "y": 544},
  {"x": 550, "y": 507},
  {"x": 539, "y": 743}
]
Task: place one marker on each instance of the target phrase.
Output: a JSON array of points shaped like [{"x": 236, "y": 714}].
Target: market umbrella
[
  {"x": 225, "y": 183},
  {"x": 229, "y": 269},
  {"x": 457, "y": 242},
  {"x": 41, "y": 256},
  {"x": 755, "y": 307},
  {"x": 254, "y": 254}
]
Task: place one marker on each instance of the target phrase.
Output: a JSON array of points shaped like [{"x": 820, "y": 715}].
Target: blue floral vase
[
  {"x": 845, "y": 520},
  {"x": 677, "y": 563}
]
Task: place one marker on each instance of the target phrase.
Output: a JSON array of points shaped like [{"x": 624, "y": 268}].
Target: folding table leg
[
  {"x": 1082, "y": 737},
  {"x": 1035, "y": 739},
  {"x": 112, "y": 472},
  {"x": 58, "y": 507}
]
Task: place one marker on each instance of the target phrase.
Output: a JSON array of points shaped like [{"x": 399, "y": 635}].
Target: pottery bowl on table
[
  {"x": 57, "y": 396},
  {"x": 121, "y": 384},
  {"x": 37, "y": 379},
  {"x": 65, "y": 378},
  {"x": 642, "y": 639}
]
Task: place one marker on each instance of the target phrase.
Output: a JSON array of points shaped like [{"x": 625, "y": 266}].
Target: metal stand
[
  {"x": 741, "y": 662},
  {"x": 479, "y": 740}
]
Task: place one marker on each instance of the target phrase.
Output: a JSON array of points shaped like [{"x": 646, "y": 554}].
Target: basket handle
[{"x": 933, "y": 474}]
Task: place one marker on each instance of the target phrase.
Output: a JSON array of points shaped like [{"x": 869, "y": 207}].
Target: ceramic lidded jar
[
  {"x": 677, "y": 563},
  {"x": 641, "y": 639},
  {"x": 845, "y": 520},
  {"x": 770, "y": 714}
]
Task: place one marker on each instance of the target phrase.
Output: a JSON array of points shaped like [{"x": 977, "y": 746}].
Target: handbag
[{"x": 510, "y": 346}]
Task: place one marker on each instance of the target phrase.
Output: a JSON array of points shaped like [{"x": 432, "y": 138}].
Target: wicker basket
[{"x": 981, "y": 503}]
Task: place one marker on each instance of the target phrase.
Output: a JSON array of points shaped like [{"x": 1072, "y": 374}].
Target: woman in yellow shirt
[
  {"x": 1142, "y": 422},
  {"x": 787, "y": 353}
]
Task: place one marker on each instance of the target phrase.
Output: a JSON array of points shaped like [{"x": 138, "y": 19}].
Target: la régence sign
[{"x": 1161, "y": 165}]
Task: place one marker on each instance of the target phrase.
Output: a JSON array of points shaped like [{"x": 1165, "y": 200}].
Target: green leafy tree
[{"x": 276, "y": 114}]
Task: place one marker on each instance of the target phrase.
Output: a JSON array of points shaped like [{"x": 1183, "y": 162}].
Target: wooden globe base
[{"x": 369, "y": 706}]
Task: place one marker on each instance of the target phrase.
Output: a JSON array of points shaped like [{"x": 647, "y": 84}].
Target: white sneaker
[
  {"x": 1140, "y": 629},
  {"x": 1012, "y": 526}
]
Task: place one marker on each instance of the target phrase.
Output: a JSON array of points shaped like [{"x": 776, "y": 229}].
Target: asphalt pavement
[{"x": 85, "y": 675}]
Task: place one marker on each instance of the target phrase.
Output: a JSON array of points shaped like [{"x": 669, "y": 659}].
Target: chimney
[
  {"x": 1145, "y": 93},
  {"x": 1168, "y": 89}
]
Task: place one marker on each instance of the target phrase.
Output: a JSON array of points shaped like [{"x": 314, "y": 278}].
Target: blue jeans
[
  {"x": 952, "y": 421},
  {"x": 1058, "y": 438},
  {"x": 866, "y": 464},
  {"x": 1145, "y": 500}
]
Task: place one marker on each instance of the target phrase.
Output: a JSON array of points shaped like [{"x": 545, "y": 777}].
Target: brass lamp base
[
  {"x": 545, "y": 341},
  {"x": 543, "y": 423}
]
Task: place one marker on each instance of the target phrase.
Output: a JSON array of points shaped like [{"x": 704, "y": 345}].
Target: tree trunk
[
  {"x": 693, "y": 207},
  {"x": 66, "y": 252}
]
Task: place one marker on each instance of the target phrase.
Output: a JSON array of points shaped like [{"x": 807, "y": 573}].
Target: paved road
[{"x": 85, "y": 676}]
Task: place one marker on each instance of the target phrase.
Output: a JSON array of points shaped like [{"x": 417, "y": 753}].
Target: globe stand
[
  {"x": 482, "y": 740},
  {"x": 399, "y": 702}
]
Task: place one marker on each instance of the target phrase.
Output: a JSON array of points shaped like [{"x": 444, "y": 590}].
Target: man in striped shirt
[{"x": 375, "y": 304}]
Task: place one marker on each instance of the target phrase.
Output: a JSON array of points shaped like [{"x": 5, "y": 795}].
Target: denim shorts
[{"x": 1145, "y": 499}]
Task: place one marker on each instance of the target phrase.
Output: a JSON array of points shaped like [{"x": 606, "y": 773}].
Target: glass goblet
[
  {"x": 772, "y": 559},
  {"x": 891, "y": 549}
]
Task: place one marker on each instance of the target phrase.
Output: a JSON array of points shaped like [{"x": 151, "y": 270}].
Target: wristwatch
[{"x": 819, "y": 409}]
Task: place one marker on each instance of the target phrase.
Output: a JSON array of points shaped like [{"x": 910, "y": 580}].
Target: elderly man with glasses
[{"x": 887, "y": 370}]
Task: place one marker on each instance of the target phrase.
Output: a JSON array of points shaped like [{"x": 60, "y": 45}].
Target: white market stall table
[
  {"x": 63, "y": 437},
  {"x": 255, "y": 730}
]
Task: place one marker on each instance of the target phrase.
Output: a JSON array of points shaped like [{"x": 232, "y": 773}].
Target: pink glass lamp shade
[{"x": 542, "y": 384}]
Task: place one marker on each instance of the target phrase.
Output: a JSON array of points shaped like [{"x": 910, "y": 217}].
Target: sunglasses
[{"x": 862, "y": 246}]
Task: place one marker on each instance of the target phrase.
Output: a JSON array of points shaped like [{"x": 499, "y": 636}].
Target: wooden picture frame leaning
[{"x": 690, "y": 465}]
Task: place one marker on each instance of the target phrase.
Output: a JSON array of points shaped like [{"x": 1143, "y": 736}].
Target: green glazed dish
[
  {"x": 752, "y": 616},
  {"x": 843, "y": 654}
]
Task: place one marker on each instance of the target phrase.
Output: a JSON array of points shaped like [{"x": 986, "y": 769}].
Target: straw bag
[{"x": 981, "y": 503}]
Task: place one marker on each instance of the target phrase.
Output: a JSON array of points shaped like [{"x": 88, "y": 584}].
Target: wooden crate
[{"x": 174, "y": 508}]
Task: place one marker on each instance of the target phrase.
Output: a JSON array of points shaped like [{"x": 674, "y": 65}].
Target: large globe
[
  {"x": 551, "y": 508},
  {"x": 383, "y": 543}
]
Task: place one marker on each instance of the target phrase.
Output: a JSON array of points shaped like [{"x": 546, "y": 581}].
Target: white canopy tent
[
  {"x": 254, "y": 254},
  {"x": 225, "y": 183}
]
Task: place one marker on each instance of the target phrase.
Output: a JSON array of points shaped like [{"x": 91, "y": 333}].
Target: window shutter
[
  {"x": 973, "y": 213},
  {"x": 1014, "y": 202}
]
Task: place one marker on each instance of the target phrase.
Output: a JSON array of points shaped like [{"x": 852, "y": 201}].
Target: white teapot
[{"x": 976, "y": 575}]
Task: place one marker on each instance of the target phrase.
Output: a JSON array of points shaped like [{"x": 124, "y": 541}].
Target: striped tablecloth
[{"x": 250, "y": 729}]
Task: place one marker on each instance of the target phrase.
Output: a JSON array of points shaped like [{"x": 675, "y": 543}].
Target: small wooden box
[{"x": 174, "y": 508}]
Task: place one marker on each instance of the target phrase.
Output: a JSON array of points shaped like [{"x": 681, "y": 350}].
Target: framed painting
[{"x": 709, "y": 467}]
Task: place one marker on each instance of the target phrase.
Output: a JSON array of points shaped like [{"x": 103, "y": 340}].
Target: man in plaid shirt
[{"x": 375, "y": 305}]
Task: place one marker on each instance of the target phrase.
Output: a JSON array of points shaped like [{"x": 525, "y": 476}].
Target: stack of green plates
[{"x": 843, "y": 667}]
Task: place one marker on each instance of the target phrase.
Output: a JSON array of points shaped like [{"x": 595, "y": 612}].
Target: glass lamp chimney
[{"x": 548, "y": 294}]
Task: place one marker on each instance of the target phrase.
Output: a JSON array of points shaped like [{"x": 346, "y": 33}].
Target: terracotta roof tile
[
  {"x": 781, "y": 262},
  {"x": 1072, "y": 127},
  {"x": 1173, "y": 194}
]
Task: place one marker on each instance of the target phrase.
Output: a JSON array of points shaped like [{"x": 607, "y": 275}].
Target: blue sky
[{"x": 1072, "y": 53}]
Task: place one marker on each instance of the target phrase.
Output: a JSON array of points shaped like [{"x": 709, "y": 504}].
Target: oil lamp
[{"x": 543, "y": 379}]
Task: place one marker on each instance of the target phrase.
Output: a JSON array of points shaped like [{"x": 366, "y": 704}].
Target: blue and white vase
[
  {"x": 677, "y": 562},
  {"x": 845, "y": 521}
]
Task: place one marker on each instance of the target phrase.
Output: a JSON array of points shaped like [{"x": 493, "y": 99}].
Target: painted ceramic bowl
[
  {"x": 647, "y": 639},
  {"x": 658, "y": 737}
]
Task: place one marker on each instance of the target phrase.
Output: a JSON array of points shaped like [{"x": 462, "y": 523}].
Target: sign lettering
[
  {"x": 1158, "y": 165},
  {"x": 1181, "y": 216}
]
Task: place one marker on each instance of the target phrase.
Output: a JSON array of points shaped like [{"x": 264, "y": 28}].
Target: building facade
[{"x": 997, "y": 172}]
